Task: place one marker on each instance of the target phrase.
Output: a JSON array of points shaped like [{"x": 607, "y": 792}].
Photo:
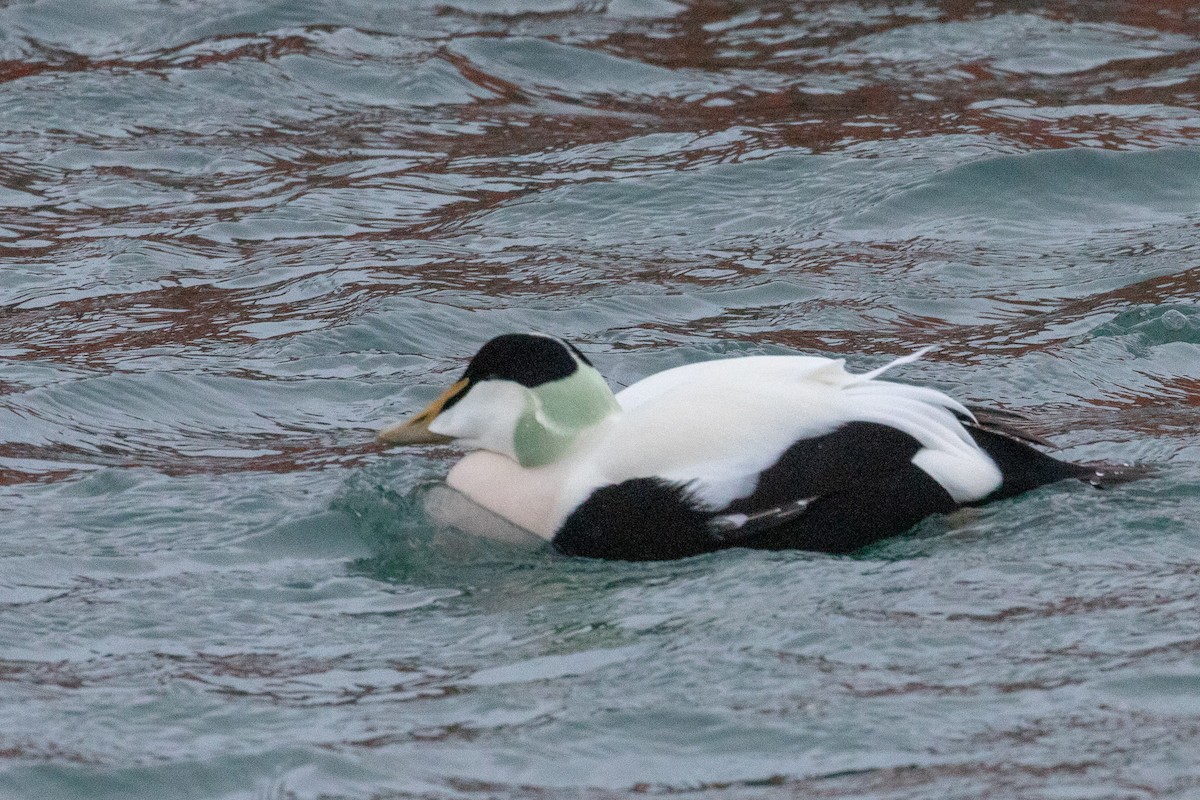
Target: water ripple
[{"x": 237, "y": 238}]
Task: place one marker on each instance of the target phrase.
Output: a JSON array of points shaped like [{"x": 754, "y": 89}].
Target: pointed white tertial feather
[
  {"x": 908, "y": 359},
  {"x": 920, "y": 394},
  {"x": 932, "y": 425}
]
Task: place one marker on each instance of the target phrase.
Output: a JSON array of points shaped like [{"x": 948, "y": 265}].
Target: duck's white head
[{"x": 524, "y": 395}]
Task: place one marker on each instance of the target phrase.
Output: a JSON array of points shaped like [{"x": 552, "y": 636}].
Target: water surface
[{"x": 237, "y": 238}]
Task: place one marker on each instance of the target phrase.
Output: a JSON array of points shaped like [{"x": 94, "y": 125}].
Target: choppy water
[{"x": 237, "y": 237}]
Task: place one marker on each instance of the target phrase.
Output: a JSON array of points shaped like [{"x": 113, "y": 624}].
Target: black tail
[
  {"x": 1024, "y": 468},
  {"x": 1102, "y": 474}
]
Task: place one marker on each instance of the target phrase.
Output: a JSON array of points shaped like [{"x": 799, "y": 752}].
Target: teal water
[{"x": 237, "y": 238}]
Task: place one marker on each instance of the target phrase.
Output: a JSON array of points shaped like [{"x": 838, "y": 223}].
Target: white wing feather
[{"x": 716, "y": 425}]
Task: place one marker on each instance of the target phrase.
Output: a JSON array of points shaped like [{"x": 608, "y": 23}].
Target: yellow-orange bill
[{"x": 415, "y": 430}]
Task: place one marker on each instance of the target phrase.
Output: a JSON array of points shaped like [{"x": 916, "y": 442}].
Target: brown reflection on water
[
  {"x": 787, "y": 75},
  {"x": 285, "y": 454},
  {"x": 94, "y": 329},
  {"x": 261, "y": 48}
]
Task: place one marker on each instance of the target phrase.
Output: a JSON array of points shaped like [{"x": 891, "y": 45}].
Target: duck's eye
[{"x": 458, "y": 395}]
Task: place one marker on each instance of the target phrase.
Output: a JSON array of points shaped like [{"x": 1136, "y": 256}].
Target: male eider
[{"x": 763, "y": 451}]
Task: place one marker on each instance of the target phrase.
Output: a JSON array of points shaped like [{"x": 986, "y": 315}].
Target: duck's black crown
[{"x": 527, "y": 358}]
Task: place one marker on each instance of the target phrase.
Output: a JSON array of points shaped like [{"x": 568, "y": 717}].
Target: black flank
[
  {"x": 642, "y": 519},
  {"x": 865, "y": 484},
  {"x": 862, "y": 480},
  {"x": 861, "y": 474}
]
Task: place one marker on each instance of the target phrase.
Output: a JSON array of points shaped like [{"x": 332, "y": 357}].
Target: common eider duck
[{"x": 761, "y": 451}]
